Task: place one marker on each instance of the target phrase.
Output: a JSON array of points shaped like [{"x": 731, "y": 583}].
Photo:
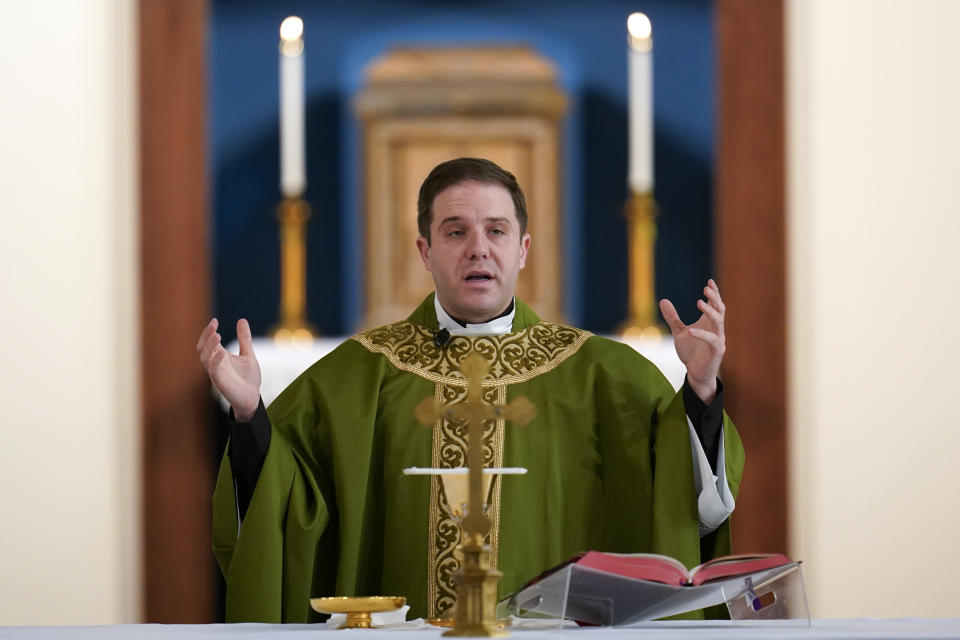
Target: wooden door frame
[
  {"x": 750, "y": 241},
  {"x": 175, "y": 279}
]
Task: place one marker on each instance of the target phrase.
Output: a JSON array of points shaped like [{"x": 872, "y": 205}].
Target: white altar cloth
[
  {"x": 280, "y": 364},
  {"x": 861, "y": 629}
]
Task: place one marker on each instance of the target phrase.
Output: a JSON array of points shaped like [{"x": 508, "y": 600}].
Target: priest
[{"x": 311, "y": 499}]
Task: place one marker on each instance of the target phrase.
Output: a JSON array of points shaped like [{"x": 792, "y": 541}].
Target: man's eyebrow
[{"x": 460, "y": 219}]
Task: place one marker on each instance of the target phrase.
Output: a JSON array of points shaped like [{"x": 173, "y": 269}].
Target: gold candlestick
[
  {"x": 641, "y": 320},
  {"x": 293, "y": 326}
]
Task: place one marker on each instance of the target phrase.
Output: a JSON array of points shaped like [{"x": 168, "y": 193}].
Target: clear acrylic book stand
[{"x": 596, "y": 597}]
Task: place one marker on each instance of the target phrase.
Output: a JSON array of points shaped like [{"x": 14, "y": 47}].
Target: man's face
[{"x": 476, "y": 250}]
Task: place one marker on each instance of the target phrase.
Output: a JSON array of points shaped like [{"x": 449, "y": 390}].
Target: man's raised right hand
[{"x": 237, "y": 377}]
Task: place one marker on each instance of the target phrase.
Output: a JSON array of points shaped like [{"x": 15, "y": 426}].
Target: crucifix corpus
[{"x": 476, "y": 581}]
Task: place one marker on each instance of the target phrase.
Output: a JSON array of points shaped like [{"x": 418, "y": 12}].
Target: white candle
[
  {"x": 293, "y": 178},
  {"x": 640, "y": 69}
]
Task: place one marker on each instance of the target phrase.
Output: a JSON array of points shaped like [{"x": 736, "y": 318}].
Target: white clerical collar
[{"x": 496, "y": 327}]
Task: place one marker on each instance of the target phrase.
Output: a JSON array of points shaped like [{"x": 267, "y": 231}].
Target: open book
[
  {"x": 604, "y": 588},
  {"x": 659, "y": 568}
]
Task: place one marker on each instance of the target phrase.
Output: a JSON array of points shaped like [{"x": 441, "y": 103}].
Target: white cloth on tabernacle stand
[{"x": 281, "y": 363}]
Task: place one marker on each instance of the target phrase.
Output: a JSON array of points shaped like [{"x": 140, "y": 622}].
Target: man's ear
[
  {"x": 423, "y": 248},
  {"x": 524, "y": 247}
]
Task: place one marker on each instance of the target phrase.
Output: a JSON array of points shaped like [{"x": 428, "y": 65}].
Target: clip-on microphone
[{"x": 441, "y": 338}]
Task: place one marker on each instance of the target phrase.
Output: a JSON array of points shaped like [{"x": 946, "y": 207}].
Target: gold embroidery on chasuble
[{"x": 514, "y": 357}]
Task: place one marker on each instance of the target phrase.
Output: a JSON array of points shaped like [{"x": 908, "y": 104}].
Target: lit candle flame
[
  {"x": 291, "y": 28},
  {"x": 291, "y": 37},
  {"x": 640, "y": 31}
]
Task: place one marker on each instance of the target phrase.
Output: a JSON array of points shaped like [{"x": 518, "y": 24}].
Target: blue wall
[{"x": 588, "y": 43}]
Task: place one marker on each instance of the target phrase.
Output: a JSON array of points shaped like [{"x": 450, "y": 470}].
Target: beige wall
[
  {"x": 68, "y": 279},
  {"x": 874, "y": 219}
]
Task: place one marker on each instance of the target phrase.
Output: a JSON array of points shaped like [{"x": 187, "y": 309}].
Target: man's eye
[
  {"x": 498, "y": 232},
  {"x": 456, "y": 233}
]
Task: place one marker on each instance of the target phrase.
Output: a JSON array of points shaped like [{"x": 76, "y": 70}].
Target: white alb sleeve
[{"x": 715, "y": 502}]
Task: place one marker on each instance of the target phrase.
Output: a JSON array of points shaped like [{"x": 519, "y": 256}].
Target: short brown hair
[{"x": 453, "y": 172}]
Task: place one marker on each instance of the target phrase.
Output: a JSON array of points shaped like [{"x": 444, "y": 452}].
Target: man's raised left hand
[{"x": 700, "y": 345}]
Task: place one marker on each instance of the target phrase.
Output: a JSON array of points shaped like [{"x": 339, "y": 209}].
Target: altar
[{"x": 864, "y": 628}]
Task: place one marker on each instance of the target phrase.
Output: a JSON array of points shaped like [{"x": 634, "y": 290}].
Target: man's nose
[{"x": 479, "y": 247}]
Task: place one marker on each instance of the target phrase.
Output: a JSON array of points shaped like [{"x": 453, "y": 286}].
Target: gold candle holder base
[
  {"x": 358, "y": 609},
  {"x": 634, "y": 330},
  {"x": 641, "y": 322},
  {"x": 293, "y": 327},
  {"x": 476, "y": 614},
  {"x": 296, "y": 335},
  {"x": 450, "y": 623},
  {"x": 442, "y": 622}
]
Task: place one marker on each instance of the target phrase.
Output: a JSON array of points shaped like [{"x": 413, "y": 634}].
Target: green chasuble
[{"x": 608, "y": 453}]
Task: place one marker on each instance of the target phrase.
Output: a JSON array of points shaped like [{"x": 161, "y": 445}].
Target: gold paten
[
  {"x": 641, "y": 322},
  {"x": 293, "y": 327},
  {"x": 358, "y": 609},
  {"x": 476, "y": 580}
]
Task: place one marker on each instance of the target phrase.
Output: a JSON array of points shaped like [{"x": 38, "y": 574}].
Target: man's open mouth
[{"x": 478, "y": 277}]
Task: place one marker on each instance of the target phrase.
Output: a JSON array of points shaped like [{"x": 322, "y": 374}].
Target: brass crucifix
[{"x": 476, "y": 581}]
